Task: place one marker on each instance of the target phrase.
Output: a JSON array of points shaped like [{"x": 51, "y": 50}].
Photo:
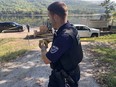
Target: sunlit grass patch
[
  {"x": 12, "y": 48},
  {"x": 12, "y": 55},
  {"x": 107, "y": 38}
]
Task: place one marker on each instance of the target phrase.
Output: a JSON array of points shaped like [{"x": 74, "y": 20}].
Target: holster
[
  {"x": 63, "y": 78},
  {"x": 60, "y": 78},
  {"x": 67, "y": 77}
]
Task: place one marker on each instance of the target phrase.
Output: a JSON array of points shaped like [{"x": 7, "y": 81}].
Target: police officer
[
  {"x": 28, "y": 28},
  {"x": 65, "y": 53}
]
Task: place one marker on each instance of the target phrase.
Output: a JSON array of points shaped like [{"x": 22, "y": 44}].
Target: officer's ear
[{"x": 56, "y": 17}]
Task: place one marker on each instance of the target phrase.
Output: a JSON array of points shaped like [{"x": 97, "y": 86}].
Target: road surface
[{"x": 30, "y": 71}]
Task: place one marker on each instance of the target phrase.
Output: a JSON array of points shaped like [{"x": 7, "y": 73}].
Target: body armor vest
[{"x": 73, "y": 56}]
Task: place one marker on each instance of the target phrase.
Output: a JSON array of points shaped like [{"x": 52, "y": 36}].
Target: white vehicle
[{"x": 85, "y": 31}]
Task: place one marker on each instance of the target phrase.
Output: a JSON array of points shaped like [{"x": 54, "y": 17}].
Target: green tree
[
  {"x": 113, "y": 18},
  {"x": 109, "y": 7}
]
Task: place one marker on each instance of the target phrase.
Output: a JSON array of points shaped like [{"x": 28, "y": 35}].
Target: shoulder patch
[{"x": 54, "y": 49}]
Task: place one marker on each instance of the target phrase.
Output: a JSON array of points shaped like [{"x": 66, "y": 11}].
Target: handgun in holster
[{"x": 68, "y": 77}]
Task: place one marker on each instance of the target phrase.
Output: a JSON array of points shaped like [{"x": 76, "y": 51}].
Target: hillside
[{"x": 39, "y": 6}]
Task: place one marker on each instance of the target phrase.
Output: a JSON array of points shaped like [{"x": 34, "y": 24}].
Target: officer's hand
[{"x": 43, "y": 44}]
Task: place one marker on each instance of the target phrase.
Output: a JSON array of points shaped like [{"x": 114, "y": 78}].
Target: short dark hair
[{"x": 58, "y": 8}]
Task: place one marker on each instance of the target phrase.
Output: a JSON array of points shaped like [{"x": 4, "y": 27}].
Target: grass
[
  {"x": 11, "y": 48},
  {"x": 106, "y": 55},
  {"x": 106, "y": 38}
]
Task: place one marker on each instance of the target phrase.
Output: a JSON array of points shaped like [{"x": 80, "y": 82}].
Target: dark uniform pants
[{"x": 56, "y": 80}]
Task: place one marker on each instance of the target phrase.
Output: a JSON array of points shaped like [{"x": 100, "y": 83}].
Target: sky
[{"x": 98, "y": 0}]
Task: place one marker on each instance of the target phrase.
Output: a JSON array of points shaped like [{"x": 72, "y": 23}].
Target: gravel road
[
  {"x": 30, "y": 71},
  {"x": 17, "y": 34}
]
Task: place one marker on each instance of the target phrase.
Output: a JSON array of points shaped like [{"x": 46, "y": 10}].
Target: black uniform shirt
[{"x": 61, "y": 43}]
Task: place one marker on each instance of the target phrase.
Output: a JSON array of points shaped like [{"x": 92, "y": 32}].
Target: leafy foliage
[
  {"x": 29, "y": 7},
  {"x": 109, "y": 7}
]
